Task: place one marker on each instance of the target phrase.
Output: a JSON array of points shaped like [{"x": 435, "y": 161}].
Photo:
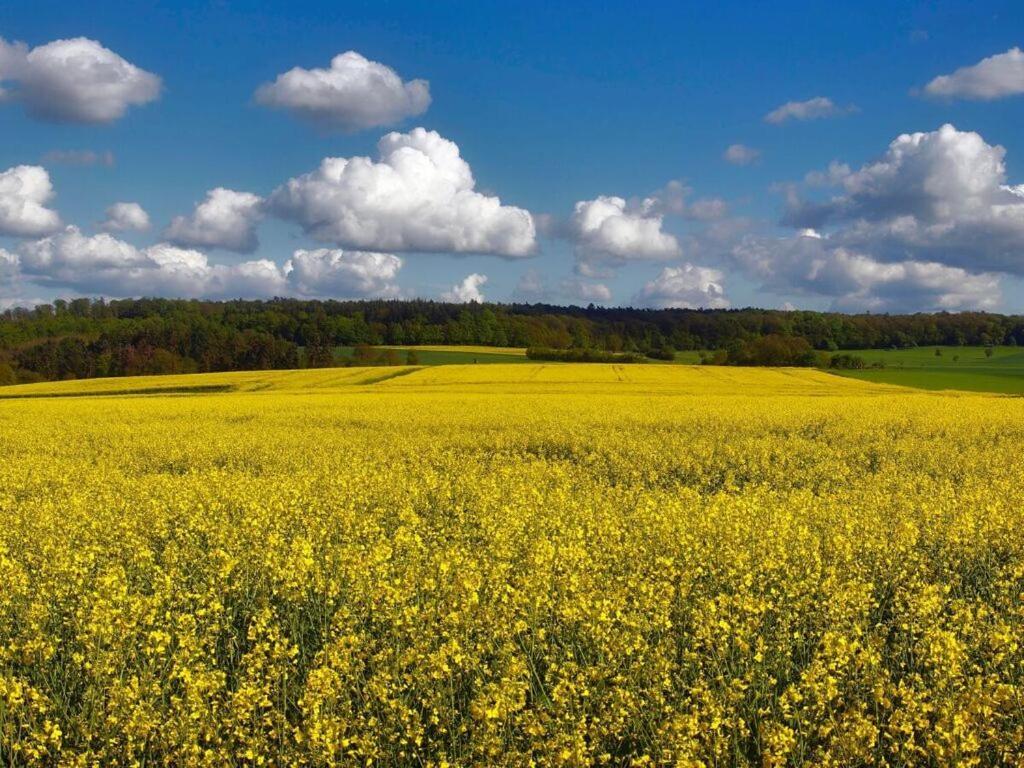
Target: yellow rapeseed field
[{"x": 515, "y": 565}]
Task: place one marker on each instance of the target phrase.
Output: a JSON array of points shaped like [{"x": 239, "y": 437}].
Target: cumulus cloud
[
  {"x": 830, "y": 177},
  {"x": 75, "y": 80},
  {"x": 353, "y": 94},
  {"x": 706, "y": 209},
  {"x": 467, "y": 290},
  {"x": 103, "y": 264},
  {"x": 674, "y": 199},
  {"x": 993, "y": 78},
  {"x": 24, "y": 192},
  {"x": 811, "y": 109},
  {"x": 10, "y": 282},
  {"x": 940, "y": 196},
  {"x": 8, "y": 266},
  {"x": 72, "y": 259},
  {"x": 610, "y": 231},
  {"x": 12, "y": 302},
  {"x": 343, "y": 274},
  {"x": 740, "y": 154},
  {"x": 225, "y": 219},
  {"x": 686, "y": 287},
  {"x": 80, "y": 157},
  {"x": 605, "y": 228},
  {"x": 187, "y": 272},
  {"x": 533, "y": 287},
  {"x": 811, "y": 264},
  {"x": 123, "y": 217},
  {"x": 584, "y": 290},
  {"x": 419, "y": 196}
]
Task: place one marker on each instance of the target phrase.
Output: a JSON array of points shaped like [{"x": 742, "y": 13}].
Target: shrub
[
  {"x": 846, "y": 361},
  {"x": 664, "y": 353},
  {"x": 581, "y": 355}
]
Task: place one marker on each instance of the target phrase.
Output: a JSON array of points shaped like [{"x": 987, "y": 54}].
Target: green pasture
[{"x": 967, "y": 368}]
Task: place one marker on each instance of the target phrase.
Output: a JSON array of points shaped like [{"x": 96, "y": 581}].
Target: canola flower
[{"x": 510, "y": 565}]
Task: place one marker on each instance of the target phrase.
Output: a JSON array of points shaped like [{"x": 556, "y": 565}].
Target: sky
[{"x": 853, "y": 157}]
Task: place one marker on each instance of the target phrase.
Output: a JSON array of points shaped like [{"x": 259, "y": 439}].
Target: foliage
[
  {"x": 364, "y": 354},
  {"x": 120, "y": 337},
  {"x": 578, "y": 355},
  {"x": 510, "y": 565},
  {"x": 319, "y": 354},
  {"x": 846, "y": 361},
  {"x": 663, "y": 353},
  {"x": 773, "y": 349}
]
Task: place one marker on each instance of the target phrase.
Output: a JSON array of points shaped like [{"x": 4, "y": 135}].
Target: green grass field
[
  {"x": 688, "y": 357},
  {"x": 966, "y": 368}
]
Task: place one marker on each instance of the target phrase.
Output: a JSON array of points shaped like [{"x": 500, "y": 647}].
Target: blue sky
[{"x": 552, "y": 109}]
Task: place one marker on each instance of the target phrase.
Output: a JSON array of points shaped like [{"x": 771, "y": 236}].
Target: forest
[{"x": 85, "y": 338}]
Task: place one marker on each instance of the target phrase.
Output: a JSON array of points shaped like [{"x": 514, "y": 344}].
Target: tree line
[{"x": 86, "y": 338}]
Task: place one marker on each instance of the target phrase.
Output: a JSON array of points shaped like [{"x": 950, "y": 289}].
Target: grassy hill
[{"x": 966, "y": 368}]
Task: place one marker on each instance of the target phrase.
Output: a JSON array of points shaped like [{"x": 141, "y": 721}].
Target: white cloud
[
  {"x": 75, "y": 80},
  {"x": 466, "y": 291},
  {"x": 810, "y": 264},
  {"x": 102, "y": 264},
  {"x": 583, "y": 290},
  {"x": 12, "y": 302},
  {"x": 24, "y": 192},
  {"x": 122, "y": 217},
  {"x": 105, "y": 265},
  {"x": 706, "y": 209},
  {"x": 533, "y": 287},
  {"x": 609, "y": 232},
  {"x": 343, "y": 274},
  {"x": 831, "y": 177},
  {"x": 740, "y": 154},
  {"x": 419, "y": 196},
  {"x": 685, "y": 287},
  {"x": 993, "y": 78},
  {"x": 257, "y": 278},
  {"x": 674, "y": 199},
  {"x": 81, "y": 157},
  {"x": 812, "y": 109},
  {"x": 225, "y": 219},
  {"x": 187, "y": 272},
  {"x": 606, "y": 229},
  {"x": 940, "y": 196},
  {"x": 8, "y": 266},
  {"x": 355, "y": 93},
  {"x": 70, "y": 250},
  {"x": 72, "y": 259}
]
